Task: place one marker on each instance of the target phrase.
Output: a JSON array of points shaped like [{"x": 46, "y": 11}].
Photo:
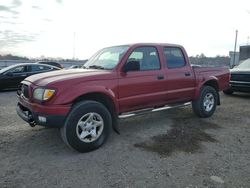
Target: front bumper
[
  {"x": 36, "y": 114},
  {"x": 240, "y": 86}
]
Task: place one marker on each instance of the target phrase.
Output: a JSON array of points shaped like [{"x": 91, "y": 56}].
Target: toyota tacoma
[{"x": 118, "y": 82}]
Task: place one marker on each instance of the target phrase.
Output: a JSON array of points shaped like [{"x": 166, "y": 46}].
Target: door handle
[
  {"x": 187, "y": 74},
  {"x": 24, "y": 75},
  {"x": 160, "y": 77}
]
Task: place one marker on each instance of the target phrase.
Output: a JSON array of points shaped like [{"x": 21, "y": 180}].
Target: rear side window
[
  {"x": 50, "y": 63},
  {"x": 174, "y": 57},
  {"x": 148, "y": 58},
  {"x": 39, "y": 68}
]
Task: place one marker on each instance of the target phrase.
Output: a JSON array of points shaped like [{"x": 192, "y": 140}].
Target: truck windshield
[{"x": 106, "y": 58}]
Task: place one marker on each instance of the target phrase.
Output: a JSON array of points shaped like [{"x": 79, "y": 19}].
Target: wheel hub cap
[
  {"x": 208, "y": 102},
  {"x": 90, "y": 127}
]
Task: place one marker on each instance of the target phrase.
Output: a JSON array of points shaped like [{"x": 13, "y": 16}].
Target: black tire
[
  {"x": 198, "y": 105},
  {"x": 228, "y": 91},
  {"x": 69, "y": 130}
]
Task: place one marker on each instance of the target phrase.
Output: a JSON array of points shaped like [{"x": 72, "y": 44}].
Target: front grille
[
  {"x": 241, "y": 77},
  {"x": 25, "y": 91},
  {"x": 19, "y": 89}
]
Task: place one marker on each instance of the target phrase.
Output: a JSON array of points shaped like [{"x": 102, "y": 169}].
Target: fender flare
[
  {"x": 72, "y": 97},
  {"x": 211, "y": 81}
]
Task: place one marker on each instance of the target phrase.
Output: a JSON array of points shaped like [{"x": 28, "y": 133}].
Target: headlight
[
  {"x": 42, "y": 94},
  {"x": 38, "y": 94}
]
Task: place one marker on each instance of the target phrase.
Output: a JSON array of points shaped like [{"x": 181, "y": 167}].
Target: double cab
[{"x": 118, "y": 82}]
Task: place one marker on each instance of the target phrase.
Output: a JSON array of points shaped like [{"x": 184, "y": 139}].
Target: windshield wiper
[{"x": 96, "y": 67}]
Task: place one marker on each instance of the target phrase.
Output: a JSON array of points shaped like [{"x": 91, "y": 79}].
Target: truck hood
[
  {"x": 73, "y": 75},
  {"x": 240, "y": 71}
]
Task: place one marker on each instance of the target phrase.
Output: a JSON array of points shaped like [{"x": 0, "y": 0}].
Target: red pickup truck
[{"x": 118, "y": 82}]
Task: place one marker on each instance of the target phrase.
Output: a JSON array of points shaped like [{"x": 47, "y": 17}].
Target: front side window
[
  {"x": 106, "y": 58},
  {"x": 174, "y": 57},
  {"x": 19, "y": 69},
  {"x": 147, "y": 57}
]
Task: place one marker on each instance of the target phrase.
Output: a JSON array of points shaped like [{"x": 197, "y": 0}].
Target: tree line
[
  {"x": 218, "y": 61},
  {"x": 202, "y": 60}
]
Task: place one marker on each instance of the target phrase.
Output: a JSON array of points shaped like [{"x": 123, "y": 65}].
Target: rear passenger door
[
  {"x": 179, "y": 75},
  {"x": 142, "y": 88}
]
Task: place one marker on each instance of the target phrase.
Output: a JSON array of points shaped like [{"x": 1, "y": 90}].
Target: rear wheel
[
  {"x": 87, "y": 126},
  {"x": 206, "y": 104}
]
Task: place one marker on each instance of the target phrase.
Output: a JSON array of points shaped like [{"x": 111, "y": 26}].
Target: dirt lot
[{"x": 166, "y": 149}]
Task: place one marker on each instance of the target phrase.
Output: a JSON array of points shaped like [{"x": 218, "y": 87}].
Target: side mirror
[
  {"x": 9, "y": 74},
  {"x": 132, "y": 66}
]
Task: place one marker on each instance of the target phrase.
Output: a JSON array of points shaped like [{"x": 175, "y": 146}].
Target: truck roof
[
  {"x": 155, "y": 44},
  {"x": 150, "y": 44}
]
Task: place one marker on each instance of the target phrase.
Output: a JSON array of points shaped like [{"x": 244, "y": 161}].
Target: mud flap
[
  {"x": 115, "y": 124},
  {"x": 218, "y": 101}
]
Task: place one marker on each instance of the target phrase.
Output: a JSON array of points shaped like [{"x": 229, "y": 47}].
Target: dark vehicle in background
[
  {"x": 11, "y": 76},
  {"x": 52, "y": 63},
  {"x": 240, "y": 78},
  {"x": 77, "y": 66}
]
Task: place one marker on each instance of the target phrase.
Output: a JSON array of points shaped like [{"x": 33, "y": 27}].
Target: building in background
[
  {"x": 234, "y": 61},
  {"x": 244, "y": 53},
  {"x": 240, "y": 56}
]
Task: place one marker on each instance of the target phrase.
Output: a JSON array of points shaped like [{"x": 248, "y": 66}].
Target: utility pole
[
  {"x": 74, "y": 45},
  {"x": 235, "y": 44}
]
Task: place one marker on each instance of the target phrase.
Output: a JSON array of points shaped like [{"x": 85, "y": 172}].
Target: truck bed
[{"x": 219, "y": 73}]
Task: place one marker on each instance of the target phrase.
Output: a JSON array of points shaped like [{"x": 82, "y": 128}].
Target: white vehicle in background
[{"x": 75, "y": 66}]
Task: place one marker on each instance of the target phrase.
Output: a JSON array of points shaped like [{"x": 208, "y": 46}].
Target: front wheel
[
  {"x": 206, "y": 104},
  {"x": 87, "y": 126}
]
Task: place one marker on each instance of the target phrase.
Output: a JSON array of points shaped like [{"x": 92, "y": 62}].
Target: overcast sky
[{"x": 33, "y": 28}]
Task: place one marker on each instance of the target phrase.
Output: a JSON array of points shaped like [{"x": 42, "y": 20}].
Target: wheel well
[
  {"x": 212, "y": 83},
  {"x": 101, "y": 98},
  {"x": 107, "y": 102}
]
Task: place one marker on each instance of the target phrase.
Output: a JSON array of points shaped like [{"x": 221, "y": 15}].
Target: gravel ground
[{"x": 164, "y": 149}]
